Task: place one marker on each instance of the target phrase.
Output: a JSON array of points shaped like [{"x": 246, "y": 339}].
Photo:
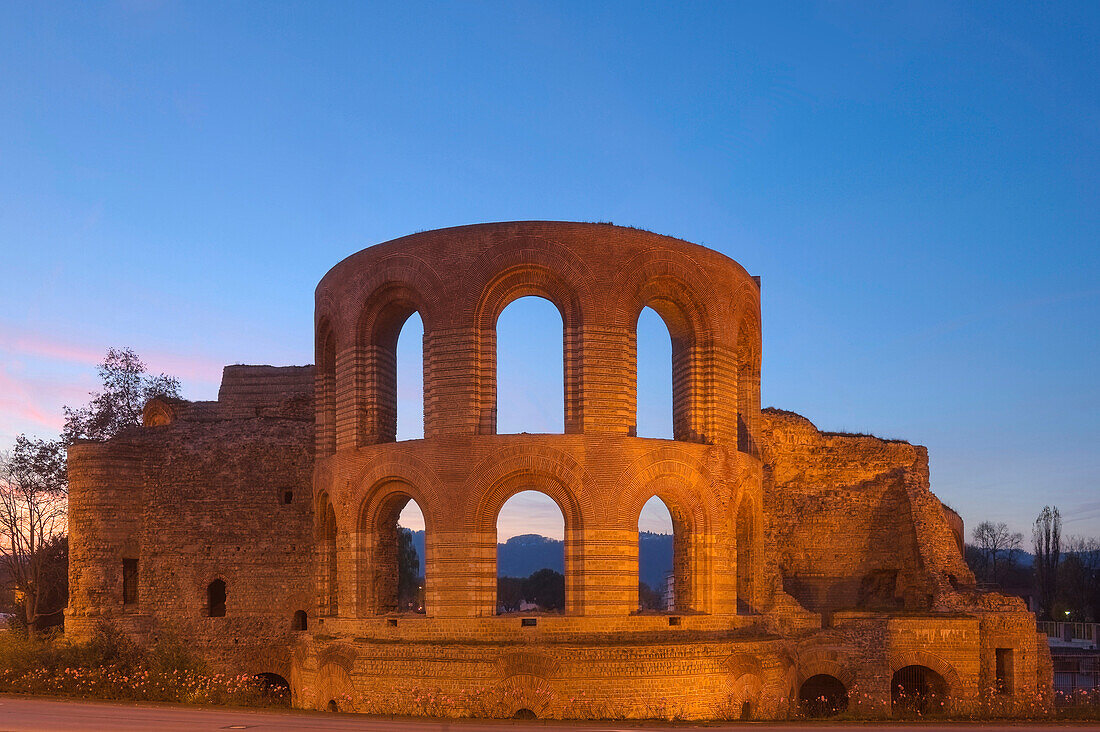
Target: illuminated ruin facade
[{"x": 263, "y": 526}]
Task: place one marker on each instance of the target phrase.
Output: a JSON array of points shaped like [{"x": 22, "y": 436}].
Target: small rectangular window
[
  {"x": 129, "y": 581},
  {"x": 1004, "y": 670},
  {"x": 528, "y": 622}
]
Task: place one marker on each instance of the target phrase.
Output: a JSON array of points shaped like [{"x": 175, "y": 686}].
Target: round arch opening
[
  {"x": 917, "y": 691},
  {"x": 396, "y": 536},
  {"x": 274, "y": 688},
  {"x": 659, "y": 574},
  {"x": 822, "y": 695},
  {"x": 530, "y": 367},
  {"x": 530, "y": 549}
]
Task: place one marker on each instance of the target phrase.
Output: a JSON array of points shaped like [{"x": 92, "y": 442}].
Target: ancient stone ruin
[{"x": 811, "y": 569}]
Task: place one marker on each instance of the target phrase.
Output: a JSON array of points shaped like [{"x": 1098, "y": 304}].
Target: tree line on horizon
[{"x": 1061, "y": 574}]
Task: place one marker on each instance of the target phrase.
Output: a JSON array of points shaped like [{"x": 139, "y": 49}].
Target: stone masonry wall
[
  {"x": 203, "y": 495},
  {"x": 851, "y": 521}
]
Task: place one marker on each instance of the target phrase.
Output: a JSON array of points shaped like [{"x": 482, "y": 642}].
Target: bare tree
[
  {"x": 1046, "y": 537},
  {"x": 996, "y": 543},
  {"x": 1080, "y": 576},
  {"x": 33, "y": 512},
  {"x": 126, "y": 388}
]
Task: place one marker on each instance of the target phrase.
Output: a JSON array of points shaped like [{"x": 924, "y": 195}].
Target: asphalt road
[{"x": 25, "y": 714}]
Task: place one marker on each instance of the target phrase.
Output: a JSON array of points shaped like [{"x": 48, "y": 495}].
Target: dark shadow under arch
[
  {"x": 822, "y": 695},
  {"x": 918, "y": 690}
]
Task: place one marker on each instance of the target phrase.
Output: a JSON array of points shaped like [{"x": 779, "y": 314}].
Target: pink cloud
[
  {"x": 31, "y": 398},
  {"x": 23, "y": 343}
]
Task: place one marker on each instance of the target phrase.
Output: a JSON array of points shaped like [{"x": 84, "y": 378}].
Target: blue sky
[{"x": 916, "y": 184}]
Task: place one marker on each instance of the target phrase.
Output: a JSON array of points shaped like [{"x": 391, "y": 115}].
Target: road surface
[{"x": 36, "y": 714}]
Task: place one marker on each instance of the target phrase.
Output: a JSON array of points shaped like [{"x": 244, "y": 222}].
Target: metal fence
[{"x": 1076, "y": 671}]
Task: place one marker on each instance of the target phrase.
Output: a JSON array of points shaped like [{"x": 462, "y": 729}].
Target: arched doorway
[
  {"x": 215, "y": 599},
  {"x": 746, "y": 556},
  {"x": 822, "y": 695},
  {"x": 409, "y": 371},
  {"x": 917, "y": 691},
  {"x": 330, "y": 591},
  {"x": 657, "y": 575},
  {"x": 274, "y": 688},
  {"x": 654, "y": 377}
]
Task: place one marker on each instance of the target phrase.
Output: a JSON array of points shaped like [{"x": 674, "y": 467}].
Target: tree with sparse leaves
[
  {"x": 33, "y": 522},
  {"x": 998, "y": 545},
  {"x": 1079, "y": 578},
  {"x": 1046, "y": 537},
  {"x": 126, "y": 388}
]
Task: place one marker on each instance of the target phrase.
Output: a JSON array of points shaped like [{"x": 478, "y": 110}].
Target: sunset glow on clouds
[{"x": 39, "y": 376}]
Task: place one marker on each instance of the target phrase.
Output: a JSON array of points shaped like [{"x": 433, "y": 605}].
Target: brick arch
[
  {"x": 402, "y": 468},
  {"x": 334, "y": 684},
  {"x": 327, "y": 310},
  {"x": 325, "y": 387},
  {"x": 674, "y": 478},
  {"x": 397, "y": 286},
  {"x": 338, "y": 654},
  {"x": 202, "y": 590},
  {"x": 376, "y": 541},
  {"x": 540, "y": 469},
  {"x": 672, "y": 475},
  {"x": 828, "y": 662},
  {"x": 900, "y": 659},
  {"x": 748, "y": 689},
  {"x": 518, "y": 268},
  {"x": 748, "y": 357},
  {"x": 326, "y": 534},
  {"x": 748, "y": 538},
  {"x": 525, "y": 691},
  {"x": 270, "y": 661},
  {"x": 681, "y": 292}
]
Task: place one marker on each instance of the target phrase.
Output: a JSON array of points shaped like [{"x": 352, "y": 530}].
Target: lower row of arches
[
  {"x": 394, "y": 570},
  {"x": 915, "y": 690}
]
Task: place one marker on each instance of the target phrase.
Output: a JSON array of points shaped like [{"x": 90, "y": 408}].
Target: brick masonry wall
[
  {"x": 801, "y": 552},
  {"x": 852, "y": 523},
  {"x": 197, "y": 498}
]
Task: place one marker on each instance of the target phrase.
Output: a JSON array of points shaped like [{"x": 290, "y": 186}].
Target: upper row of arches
[{"x": 711, "y": 315}]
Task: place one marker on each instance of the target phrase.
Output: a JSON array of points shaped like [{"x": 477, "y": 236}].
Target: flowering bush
[{"x": 111, "y": 666}]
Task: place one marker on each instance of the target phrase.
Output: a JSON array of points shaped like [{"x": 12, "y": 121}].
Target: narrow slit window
[
  {"x": 1004, "y": 670},
  {"x": 129, "y": 581},
  {"x": 215, "y": 599}
]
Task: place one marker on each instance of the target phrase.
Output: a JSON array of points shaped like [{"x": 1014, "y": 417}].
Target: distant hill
[{"x": 523, "y": 555}]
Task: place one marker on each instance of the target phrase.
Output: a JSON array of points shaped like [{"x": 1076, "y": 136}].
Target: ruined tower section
[
  {"x": 599, "y": 278},
  {"x": 198, "y": 524}
]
